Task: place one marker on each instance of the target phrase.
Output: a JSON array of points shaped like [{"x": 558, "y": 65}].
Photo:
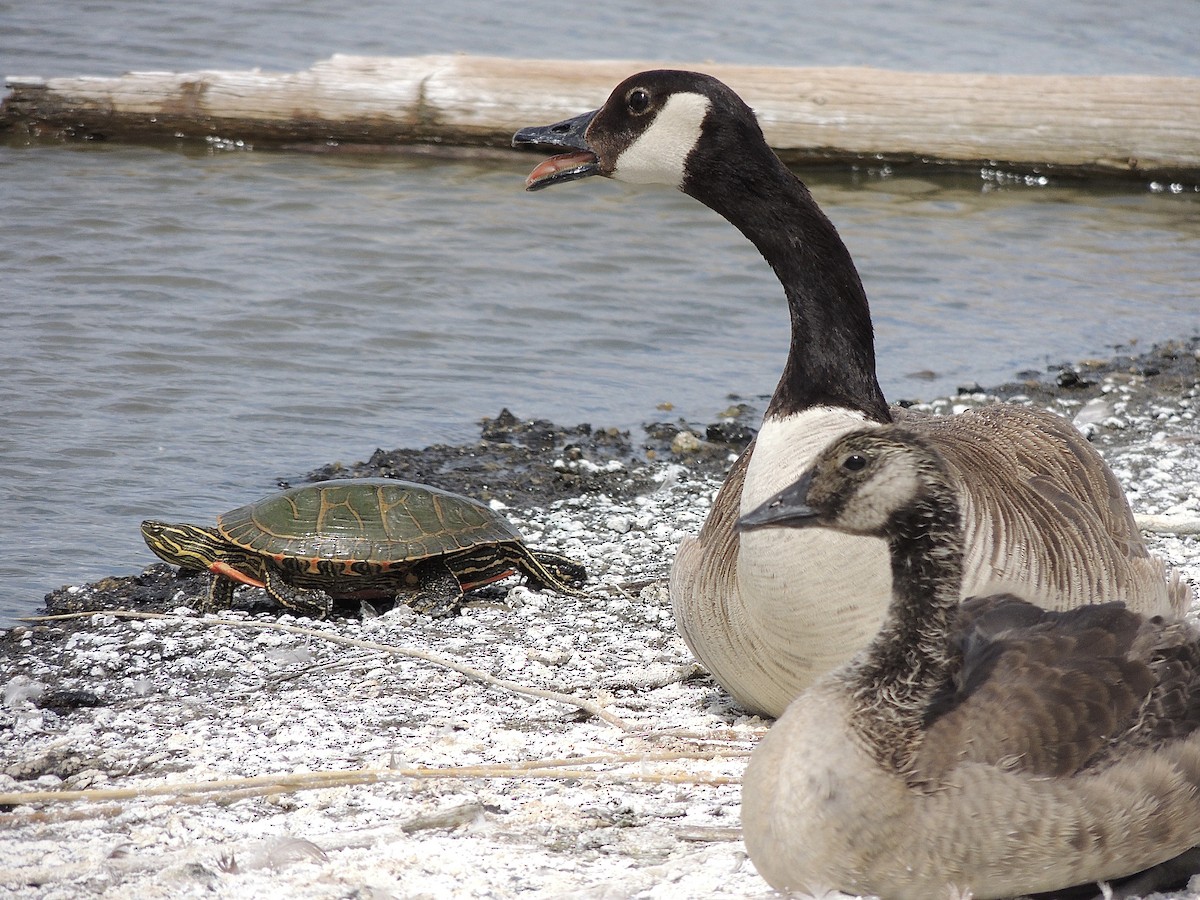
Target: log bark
[{"x": 1146, "y": 126}]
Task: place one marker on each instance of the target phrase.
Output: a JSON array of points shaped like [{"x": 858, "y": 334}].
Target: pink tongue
[{"x": 556, "y": 164}]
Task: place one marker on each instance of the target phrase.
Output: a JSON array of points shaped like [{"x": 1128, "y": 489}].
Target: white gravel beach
[{"x": 257, "y": 754}]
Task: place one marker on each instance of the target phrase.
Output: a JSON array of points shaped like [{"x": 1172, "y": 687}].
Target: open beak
[
  {"x": 580, "y": 162},
  {"x": 787, "y": 508}
]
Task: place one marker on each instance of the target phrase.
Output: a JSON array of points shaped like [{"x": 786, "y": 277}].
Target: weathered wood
[{"x": 1119, "y": 124}]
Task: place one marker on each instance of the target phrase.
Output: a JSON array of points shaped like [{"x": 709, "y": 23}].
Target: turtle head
[{"x": 183, "y": 545}]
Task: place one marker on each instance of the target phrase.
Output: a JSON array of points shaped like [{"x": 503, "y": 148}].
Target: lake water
[{"x": 185, "y": 326}]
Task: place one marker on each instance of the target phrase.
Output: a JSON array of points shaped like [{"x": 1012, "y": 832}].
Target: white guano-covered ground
[{"x": 211, "y": 748}]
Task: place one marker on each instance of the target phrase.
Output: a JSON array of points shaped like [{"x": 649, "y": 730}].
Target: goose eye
[
  {"x": 855, "y": 462},
  {"x": 638, "y": 101}
]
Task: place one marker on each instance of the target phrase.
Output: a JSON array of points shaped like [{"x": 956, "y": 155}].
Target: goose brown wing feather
[
  {"x": 1043, "y": 692},
  {"x": 1058, "y": 693},
  {"x": 1026, "y": 434},
  {"x": 1042, "y": 512},
  {"x": 1173, "y": 708}
]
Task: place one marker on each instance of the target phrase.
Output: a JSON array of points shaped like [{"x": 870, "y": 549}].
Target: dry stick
[
  {"x": 231, "y": 790},
  {"x": 722, "y": 737},
  {"x": 531, "y": 768},
  {"x": 1168, "y": 524},
  {"x": 589, "y": 706},
  {"x": 308, "y": 671}
]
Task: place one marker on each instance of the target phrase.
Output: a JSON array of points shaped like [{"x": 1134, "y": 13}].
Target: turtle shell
[{"x": 381, "y": 522}]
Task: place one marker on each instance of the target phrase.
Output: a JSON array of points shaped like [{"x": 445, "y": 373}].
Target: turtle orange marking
[
  {"x": 471, "y": 585},
  {"x": 223, "y": 568}
]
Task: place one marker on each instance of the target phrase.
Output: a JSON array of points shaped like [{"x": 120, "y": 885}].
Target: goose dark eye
[
  {"x": 638, "y": 101},
  {"x": 854, "y": 462}
]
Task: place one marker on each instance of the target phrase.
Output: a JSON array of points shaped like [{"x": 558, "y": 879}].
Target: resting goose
[
  {"x": 769, "y": 612},
  {"x": 988, "y": 749}
]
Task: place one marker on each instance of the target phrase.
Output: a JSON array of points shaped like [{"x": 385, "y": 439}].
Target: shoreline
[{"x": 394, "y": 755}]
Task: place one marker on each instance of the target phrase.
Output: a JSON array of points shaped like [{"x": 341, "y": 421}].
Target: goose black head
[{"x": 657, "y": 127}]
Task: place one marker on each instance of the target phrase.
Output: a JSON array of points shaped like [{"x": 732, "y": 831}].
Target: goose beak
[
  {"x": 570, "y": 134},
  {"x": 787, "y": 508}
]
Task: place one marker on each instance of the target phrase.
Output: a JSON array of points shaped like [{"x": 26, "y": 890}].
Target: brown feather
[
  {"x": 1044, "y": 692},
  {"x": 1045, "y": 516}
]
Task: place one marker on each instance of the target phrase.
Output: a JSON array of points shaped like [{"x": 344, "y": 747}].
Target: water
[
  {"x": 184, "y": 326},
  {"x": 108, "y": 37}
]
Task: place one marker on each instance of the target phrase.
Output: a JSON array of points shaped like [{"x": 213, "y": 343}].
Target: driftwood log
[{"x": 1115, "y": 125}]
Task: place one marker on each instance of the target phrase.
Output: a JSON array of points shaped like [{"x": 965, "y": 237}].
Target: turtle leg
[
  {"x": 227, "y": 573},
  {"x": 552, "y": 571},
  {"x": 220, "y": 593},
  {"x": 437, "y": 591},
  {"x": 313, "y": 602}
]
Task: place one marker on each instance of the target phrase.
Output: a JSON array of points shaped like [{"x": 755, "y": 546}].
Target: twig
[
  {"x": 1168, "y": 524},
  {"x": 720, "y": 737},
  {"x": 709, "y": 834},
  {"x": 591, "y": 707},
  {"x": 309, "y": 670},
  {"x": 231, "y": 790}
]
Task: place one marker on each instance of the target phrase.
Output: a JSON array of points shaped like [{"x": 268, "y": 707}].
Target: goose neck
[
  {"x": 911, "y": 658},
  {"x": 831, "y": 358}
]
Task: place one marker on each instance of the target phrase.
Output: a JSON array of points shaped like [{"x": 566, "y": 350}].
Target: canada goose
[
  {"x": 989, "y": 749},
  {"x": 769, "y": 612}
]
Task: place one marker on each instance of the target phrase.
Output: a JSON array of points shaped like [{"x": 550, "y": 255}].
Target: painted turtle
[{"x": 360, "y": 538}]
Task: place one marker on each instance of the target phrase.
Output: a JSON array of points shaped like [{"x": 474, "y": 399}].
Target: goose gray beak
[
  {"x": 570, "y": 134},
  {"x": 787, "y": 508}
]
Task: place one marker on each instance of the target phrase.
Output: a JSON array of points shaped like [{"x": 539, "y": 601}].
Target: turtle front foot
[
  {"x": 310, "y": 601},
  {"x": 436, "y": 596}
]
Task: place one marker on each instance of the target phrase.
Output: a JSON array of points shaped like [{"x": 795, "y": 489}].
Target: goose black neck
[
  {"x": 910, "y": 659},
  {"x": 831, "y": 360}
]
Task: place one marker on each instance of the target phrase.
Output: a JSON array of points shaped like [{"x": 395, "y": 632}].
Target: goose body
[
  {"x": 768, "y": 613},
  {"x": 988, "y": 749}
]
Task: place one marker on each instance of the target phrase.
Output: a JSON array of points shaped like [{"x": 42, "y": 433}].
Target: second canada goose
[
  {"x": 768, "y": 612},
  {"x": 987, "y": 749}
]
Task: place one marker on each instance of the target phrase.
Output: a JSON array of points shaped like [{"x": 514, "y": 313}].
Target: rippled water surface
[{"x": 184, "y": 327}]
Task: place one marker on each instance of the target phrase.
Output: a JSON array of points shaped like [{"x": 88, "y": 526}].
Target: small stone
[{"x": 619, "y": 524}]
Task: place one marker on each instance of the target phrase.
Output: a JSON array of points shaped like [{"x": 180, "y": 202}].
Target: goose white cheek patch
[{"x": 659, "y": 154}]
